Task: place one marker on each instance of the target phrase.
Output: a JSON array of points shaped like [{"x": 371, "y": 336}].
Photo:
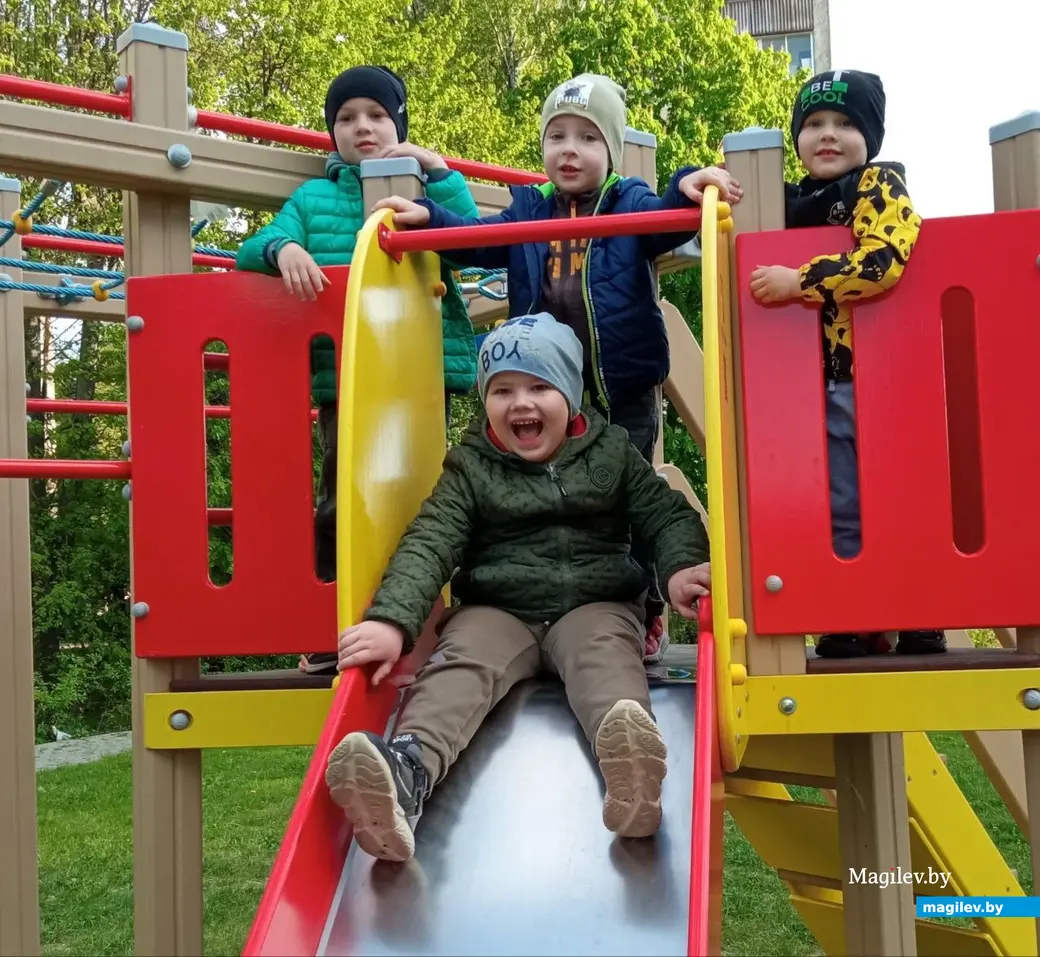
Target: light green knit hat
[{"x": 597, "y": 98}]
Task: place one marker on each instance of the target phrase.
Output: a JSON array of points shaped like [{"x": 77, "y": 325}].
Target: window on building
[{"x": 798, "y": 45}]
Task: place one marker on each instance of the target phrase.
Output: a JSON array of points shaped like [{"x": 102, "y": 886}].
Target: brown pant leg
[
  {"x": 481, "y": 654},
  {"x": 598, "y": 651}
]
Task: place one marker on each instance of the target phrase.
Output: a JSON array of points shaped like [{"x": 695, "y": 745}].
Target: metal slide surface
[{"x": 512, "y": 856}]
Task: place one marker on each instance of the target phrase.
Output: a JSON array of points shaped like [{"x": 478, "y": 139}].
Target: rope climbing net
[
  {"x": 491, "y": 284},
  {"x": 78, "y": 241}
]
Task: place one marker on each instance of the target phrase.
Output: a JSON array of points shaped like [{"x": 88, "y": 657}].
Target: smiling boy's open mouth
[{"x": 526, "y": 429}]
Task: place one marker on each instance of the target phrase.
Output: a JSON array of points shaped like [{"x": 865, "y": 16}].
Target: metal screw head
[
  {"x": 125, "y": 449},
  {"x": 28, "y": 418},
  {"x": 28, "y": 388},
  {"x": 179, "y": 156},
  {"x": 180, "y": 720},
  {"x": 139, "y": 609},
  {"x": 122, "y": 83},
  {"x": 774, "y": 583},
  {"x": 128, "y": 493},
  {"x": 193, "y": 116},
  {"x": 788, "y": 705},
  {"x": 1031, "y": 699},
  {"x": 134, "y": 323}
]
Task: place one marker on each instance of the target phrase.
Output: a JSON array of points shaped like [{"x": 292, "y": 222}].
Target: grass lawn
[{"x": 85, "y": 853}]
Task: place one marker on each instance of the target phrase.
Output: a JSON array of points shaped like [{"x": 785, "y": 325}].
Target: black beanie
[
  {"x": 377, "y": 83},
  {"x": 860, "y": 96}
]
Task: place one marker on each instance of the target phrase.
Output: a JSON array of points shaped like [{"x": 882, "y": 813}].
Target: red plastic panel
[
  {"x": 299, "y": 893},
  {"x": 910, "y": 572},
  {"x": 709, "y": 803},
  {"x": 274, "y": 602}
]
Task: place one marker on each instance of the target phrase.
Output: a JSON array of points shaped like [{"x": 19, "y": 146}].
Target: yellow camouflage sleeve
[{"x": 886, "y": 228}]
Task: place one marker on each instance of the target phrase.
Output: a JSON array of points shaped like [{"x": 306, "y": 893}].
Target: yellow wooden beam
[
  {"x": 824, "y": 920},
  {"x": 878, "y": 702},
  {"x": 235, "y": 719}
]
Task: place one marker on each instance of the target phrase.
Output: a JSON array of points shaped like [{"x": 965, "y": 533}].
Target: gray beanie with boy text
[{"x": 538, "y": 345}]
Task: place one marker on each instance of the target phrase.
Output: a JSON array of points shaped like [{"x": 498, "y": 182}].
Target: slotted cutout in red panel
[
  {"x": 910, "y": 572},
  {"x": 274, "y": 602}
]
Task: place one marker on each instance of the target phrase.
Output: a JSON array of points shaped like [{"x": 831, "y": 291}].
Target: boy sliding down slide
[{"x": 534, "y": 510}]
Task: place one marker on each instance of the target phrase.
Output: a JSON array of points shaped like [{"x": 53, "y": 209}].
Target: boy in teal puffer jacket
[{"x": 366, "y": 113}]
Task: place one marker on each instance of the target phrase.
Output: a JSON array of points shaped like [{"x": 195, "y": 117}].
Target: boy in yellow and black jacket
[{"x": 838, "y": 124}]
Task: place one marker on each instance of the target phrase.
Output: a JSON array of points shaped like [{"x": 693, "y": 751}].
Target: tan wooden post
[
  {"x": 19, "y": 896},
  {"x": 400, "y": 176},
  {"x": 755, "y": 158},
  {"x": 869, "y": 769},
  {"x": 1015, "y": 147},
  {"x": 167, "y": 784}
]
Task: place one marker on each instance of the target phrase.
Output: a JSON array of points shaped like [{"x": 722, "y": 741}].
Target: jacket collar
[{"x": 335, "y": 166}]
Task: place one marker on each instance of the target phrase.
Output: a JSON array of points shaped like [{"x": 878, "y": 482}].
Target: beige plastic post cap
[
  {"x": 1025, "y": 122},
  {"x": 640, "y": 137},
  {"x": 8, "y": 185},
  {"x": 151, "y": 33},
  {"x": 753, "y": 138},
  {"x": 394, "y": 166}
]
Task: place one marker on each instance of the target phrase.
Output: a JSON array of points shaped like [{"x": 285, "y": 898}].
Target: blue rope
[
  {"x": 49, "y": 188},
  {"x": 102, "y": 238},
  {"x": 64, "y": 293},
  {"x": 197, "y": 227},
  {"x": 33, "y": 265},
  {"x": 474, "y": 273}
]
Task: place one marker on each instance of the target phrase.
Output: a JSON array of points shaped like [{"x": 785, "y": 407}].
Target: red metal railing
[
  {"x": 60, "y": 95},
  {"x": 102, "y": 407},
  {"x": 313, "y": 139},
  {"x": 121, "y": 105},
  {"x": 92, "y": 247},
  {"x": 63, "y": 468},
  {"x": 508, "y": 234}
]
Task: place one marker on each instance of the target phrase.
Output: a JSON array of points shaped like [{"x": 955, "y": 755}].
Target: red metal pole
[
  {"x": 97, "y": 407},
  {"x": 59, "y": 95},
  {"x": 509, "y": 234},
  {"x": 297, "y": 136},
  {"x": 218, "y": 516},
  {"x": 93, "y": 407},
  {"x": 216, "y": 361},
  {"x": 63, "y": 468},
  {"x": 93, "y": 247}
]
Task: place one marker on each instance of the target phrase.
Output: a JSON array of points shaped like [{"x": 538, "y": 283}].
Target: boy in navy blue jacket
[{"x": 604, "y": 289}]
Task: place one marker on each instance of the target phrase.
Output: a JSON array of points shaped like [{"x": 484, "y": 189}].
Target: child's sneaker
[
  {"x": 656, "y": 641},
  {"x": 381, "y": 787},
  {"x": 921, "y": 643},
  {"x": 317, "y": 664},
  {"x": 853, "y": 645},
  {"x": 632, "y": 758}
]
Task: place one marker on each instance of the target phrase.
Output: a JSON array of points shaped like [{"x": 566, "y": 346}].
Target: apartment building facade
[{"x": 801, "y": 28}]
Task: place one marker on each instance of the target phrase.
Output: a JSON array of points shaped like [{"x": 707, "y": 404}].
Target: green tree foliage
[{"x": 477, "y": 73}]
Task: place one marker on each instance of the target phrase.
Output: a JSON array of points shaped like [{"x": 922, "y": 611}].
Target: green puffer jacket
[
  {"x": 324, "y": 216},
  {"x": 538, "y": 540}
]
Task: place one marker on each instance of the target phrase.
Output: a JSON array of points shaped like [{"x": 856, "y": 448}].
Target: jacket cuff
[
  {"x": 673, "y": 197},
  {"x": 272, "y": 249},
  {"x": 439, "y": 175}
]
